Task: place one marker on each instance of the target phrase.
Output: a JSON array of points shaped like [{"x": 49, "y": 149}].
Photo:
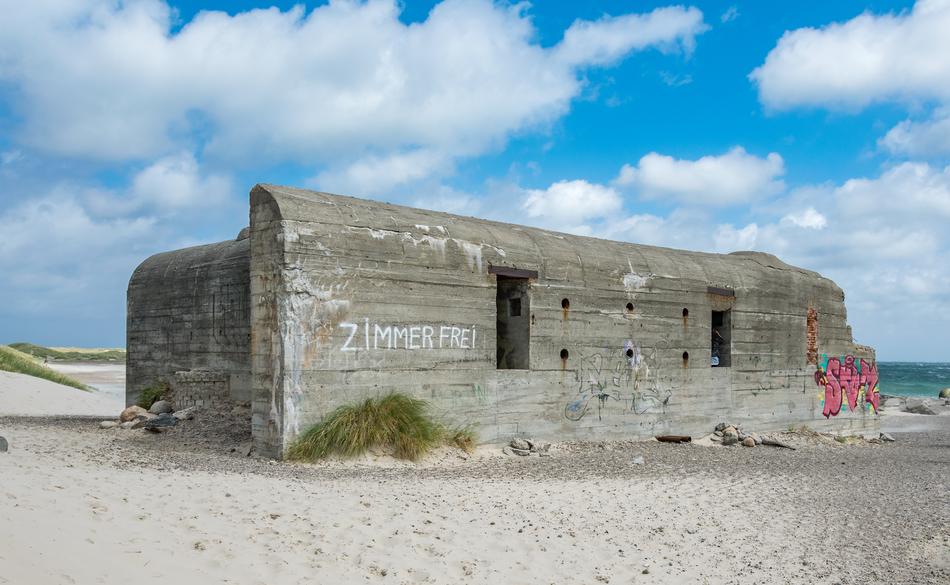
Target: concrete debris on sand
[
  {"x": 525, "y": 447},
  {"x": 919, "y": 406}
]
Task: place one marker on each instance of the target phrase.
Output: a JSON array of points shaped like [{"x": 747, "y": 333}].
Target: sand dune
[{"x": 22, "y": 395}]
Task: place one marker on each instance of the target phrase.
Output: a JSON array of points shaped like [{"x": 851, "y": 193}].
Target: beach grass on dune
[
  {"x": 70, "y": 354},
  {"x": 12, "y": 360},
  {"x": 396, "y": 423}
]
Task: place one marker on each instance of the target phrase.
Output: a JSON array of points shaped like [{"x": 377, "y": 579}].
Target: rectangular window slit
[
  {"x": 513, "y": 324},
  {"x": 721, "y": 342}
]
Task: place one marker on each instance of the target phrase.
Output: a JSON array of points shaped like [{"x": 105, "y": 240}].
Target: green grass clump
[
  {"x": 152, "y": 394},
  {"x": 70, "y": 354},
  {"x": 396, "y": 423},
  {"x": 12, "y": 360}
]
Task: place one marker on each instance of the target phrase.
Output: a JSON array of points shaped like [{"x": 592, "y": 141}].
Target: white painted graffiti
[{"x": 367, "y": 336}]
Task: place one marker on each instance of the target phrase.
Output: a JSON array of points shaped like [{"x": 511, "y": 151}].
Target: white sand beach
[
  {"x": 84, "y": 505},
  {"x": 22, "y": 395}
]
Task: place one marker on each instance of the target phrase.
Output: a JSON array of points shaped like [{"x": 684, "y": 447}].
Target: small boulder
[
  {"x": 4, "y": 446},
  {"x": 756, "y": 438},
  {"x": 748, "y": 442},
  {"x": 141, "y": 419},
  {"x": 160, "y": 423},
  {"x": 108, "y": 424},
  {"x": 520, "y": 444},
  {"x": 161, "y": 407},
  {"x": 131, "y": 412},
  {"x": 721, "y": 427},
  {"x": 539, "y": 447},
  {"x": 127, "y": 425},
  {"x": 521, "y": 452},
  {"x": 887, "y": 438},
  {"x": 918, "y": 406},
  {"x": 185, "y": 413},
  {"x": 945, "y": 393},
  {"x": 730, "y": 436}
]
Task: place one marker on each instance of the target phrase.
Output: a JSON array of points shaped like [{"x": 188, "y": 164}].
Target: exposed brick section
[
  {"x": 812, "y": 335},
  {"x": 205, "y": 389}
]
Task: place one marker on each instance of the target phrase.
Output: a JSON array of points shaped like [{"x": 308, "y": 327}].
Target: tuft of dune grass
[
  {"x": 12, "y": 360},
  {"x": 396, "y": 423}
]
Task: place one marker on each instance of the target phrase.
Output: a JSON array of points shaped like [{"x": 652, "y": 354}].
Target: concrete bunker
[{"x": 325, "y": 300}]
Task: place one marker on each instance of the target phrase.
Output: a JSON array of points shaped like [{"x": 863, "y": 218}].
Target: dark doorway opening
[
  {"x": 513, "y": 323},
  {"x": 721, "y": 339}
]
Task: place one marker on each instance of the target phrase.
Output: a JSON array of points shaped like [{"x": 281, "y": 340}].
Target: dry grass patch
[{"x": 396, "y": 424}]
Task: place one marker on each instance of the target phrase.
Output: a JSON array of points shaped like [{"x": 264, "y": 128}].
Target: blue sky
[{"x": 818, "y": 131}]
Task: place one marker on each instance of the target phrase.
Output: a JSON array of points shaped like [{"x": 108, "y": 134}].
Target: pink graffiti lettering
[
  {"x": 869, "y": 379},
  {"x": 844, "y": 379},
  {"x": 850, "y": 381},
  {"x": 829, "y": 379}
]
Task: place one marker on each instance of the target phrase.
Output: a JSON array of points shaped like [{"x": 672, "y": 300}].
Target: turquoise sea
[{"x": 913, "y": 378}]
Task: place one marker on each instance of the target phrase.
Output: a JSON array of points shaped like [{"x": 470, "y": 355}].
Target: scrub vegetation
[
  {"x": 153, "y": 394},
  {"x": 12, "y": 360},
  {"x": 70, "y": 354},
  {"x": 396, "y": 424}
]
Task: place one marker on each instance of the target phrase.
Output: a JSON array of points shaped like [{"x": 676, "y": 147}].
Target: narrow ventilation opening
[
  {"x": 565, "y": 303},
  {"x": 565, "y": 354},
  {"x": 630, "y": 307},
  {"x": 720, "y": 344},
  {"x": 512, "y": 323}
]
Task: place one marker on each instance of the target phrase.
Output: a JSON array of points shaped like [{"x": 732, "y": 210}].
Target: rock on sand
[
  {"x": 918, "y": 406},
  {"x": 130, "y": 413}
]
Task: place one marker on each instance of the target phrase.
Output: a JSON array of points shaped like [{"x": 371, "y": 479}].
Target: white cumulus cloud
[
  {"x": 930, "y": 137},
  {"x": 727, "y": 179},
  {"x": 346, "y": 86},
  {"x": 807, "y": 218},
  {"x": 568, "y": 204},
  {"x": 870, "y": 58},
  {"x": 606, "y": 40}
]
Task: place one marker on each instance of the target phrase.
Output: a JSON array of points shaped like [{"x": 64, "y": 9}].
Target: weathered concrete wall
[
  {"x": 189, "y": 310},
  {"x": 355, "y": 298}
]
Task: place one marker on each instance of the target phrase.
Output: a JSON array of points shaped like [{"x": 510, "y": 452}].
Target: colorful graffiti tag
[{"x": 847, "y": 377}]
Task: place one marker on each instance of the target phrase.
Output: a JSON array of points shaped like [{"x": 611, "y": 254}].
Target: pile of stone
[
  {"x": 732, "y": 434},
  {"x": 526, "y": 447},
  {"x": 160, "y": 417}
]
